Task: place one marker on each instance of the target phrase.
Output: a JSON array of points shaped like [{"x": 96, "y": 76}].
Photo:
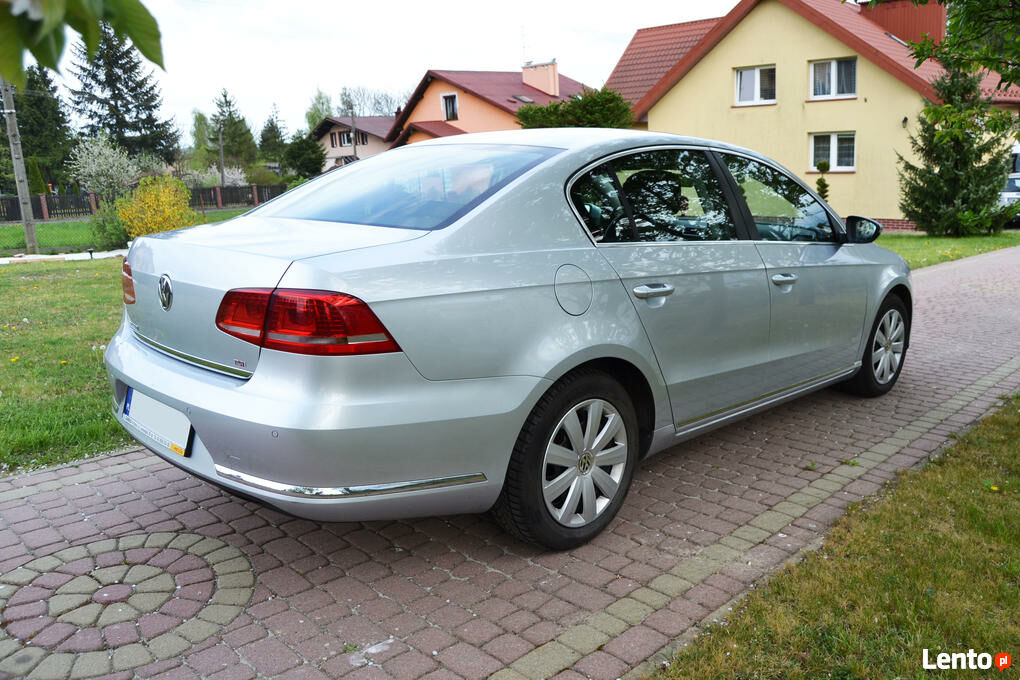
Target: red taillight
[
  {"x": 127, "y": 283},
  {"x": 303, "y": 321}
]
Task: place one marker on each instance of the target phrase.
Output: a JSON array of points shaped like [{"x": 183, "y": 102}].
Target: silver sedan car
[{"x": 506, "y": 321}]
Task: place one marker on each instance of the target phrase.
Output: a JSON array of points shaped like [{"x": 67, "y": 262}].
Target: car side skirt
[{"x": 667, "y": 437}]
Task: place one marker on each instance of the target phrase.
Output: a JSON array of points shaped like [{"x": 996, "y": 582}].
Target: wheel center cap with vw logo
[
  {"x": 166, "y": 292},
  {"x": 584, "y": 463}
]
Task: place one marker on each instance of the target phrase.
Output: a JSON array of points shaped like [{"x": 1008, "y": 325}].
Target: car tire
[
  {"x": 565, "y": 482},
  {"x": 883, "y": 355}
]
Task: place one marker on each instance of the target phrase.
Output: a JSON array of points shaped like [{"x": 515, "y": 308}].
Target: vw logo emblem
[{"x": 166, "y": 292}]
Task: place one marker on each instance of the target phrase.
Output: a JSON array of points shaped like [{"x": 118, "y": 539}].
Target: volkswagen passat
[{"x": 503, "y": 320}]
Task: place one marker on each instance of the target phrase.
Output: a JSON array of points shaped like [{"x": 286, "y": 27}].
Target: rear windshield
[
  {"x": 1012, "y": 184},
  {"x": 415, "y": 187}
]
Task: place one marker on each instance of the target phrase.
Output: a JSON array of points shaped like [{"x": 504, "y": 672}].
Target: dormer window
[
  {"x": 450, "y": 106},
  {"x": 755, "y": 86},
  {"x": 834, "y": 78}
]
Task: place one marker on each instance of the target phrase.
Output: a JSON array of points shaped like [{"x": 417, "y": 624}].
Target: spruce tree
[
  {"x": 952, "y": 191},
  {"x": 238, "y": 142},
  {"x": 36, "y": 185},
  {"x": 273, "y": 141},
  {"x": 43, "y": 123},
  {"x": 117, "y": 96}
]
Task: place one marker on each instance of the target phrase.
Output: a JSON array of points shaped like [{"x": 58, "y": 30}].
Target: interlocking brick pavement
[{"x": 217, "y": 587}]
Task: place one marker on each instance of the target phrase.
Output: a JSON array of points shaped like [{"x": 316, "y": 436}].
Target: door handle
[
  {"x": 651, "y": 290},
  {"x": 784, "y": 279}
]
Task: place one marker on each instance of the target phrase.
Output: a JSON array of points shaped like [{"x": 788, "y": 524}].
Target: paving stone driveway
[{"x": 126, "y": 567}]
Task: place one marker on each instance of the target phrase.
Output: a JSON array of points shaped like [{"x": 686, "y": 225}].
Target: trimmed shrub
[{"x": 158, "y": 204}]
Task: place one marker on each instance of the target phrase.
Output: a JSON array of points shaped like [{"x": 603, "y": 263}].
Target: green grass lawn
[
  {"x": 55, "y": 320},
  {"x": 935, "y": 564},
  {"x": 921, "y": 250},
  {"x": 74, "y": 234}
]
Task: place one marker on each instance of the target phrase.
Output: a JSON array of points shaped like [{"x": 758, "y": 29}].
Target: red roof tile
[
  {"x": 433, "y": 128},
  {"x": 651, "y": 53},
  {"x": 844, "y": 22},
  {"x": 496, "y": 87},
  {"x": 373, "y": 125}
]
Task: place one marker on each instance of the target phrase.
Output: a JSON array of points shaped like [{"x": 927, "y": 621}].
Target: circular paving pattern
[{"x": 118, "y": 604}]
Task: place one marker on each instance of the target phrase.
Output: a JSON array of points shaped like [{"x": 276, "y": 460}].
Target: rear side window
[
  {"x": 425, "y": 187},
  {"x": 671, "y": 195}
]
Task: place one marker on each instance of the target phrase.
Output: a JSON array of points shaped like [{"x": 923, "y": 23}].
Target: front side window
[
  {"x": 449, "y": 107},
  {"x": 756, "y": 85},
  {"x": 838, "y": 149},
  {"x": 834, "y": 78},
  {"x": 415, "y": 187},
  {"x": 781, "y": 208},
  {"x": 670, "y": 194}
]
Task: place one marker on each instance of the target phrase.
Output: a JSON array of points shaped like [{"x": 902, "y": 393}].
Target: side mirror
[{"x": 861, "y": 229}]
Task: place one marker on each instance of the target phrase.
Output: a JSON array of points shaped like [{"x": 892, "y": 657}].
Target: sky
[{"x": 267, "y": 52}]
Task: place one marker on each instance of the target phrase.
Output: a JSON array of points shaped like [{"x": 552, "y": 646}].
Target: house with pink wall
[{"x": 454, "y": 102}]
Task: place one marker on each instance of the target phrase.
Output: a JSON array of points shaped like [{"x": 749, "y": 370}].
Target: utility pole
[
  {"x": 20, "y": 179},
  {"x": 223, "y": 181}
]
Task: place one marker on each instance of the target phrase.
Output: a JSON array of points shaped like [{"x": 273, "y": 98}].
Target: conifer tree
[
  {"x": 953, "y": 188},
  {"x": 238, "y": 142},
  {"x": 36, "y": 185},
  {"x": 43, "y": 123},
  {"x": 118, "y": 97},
  {"x": 273, "y": 140}
]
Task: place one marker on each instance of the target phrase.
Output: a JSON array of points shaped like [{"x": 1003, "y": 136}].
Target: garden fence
[{"x": 73, "y": 209}]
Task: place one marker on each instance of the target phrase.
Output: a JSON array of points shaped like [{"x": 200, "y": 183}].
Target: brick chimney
[
  {"x": 544, "y": 77},
  {"x": 908, "y": 21}
]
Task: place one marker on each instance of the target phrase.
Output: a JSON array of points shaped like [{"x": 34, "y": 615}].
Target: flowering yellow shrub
[{"x": 158, "y": 204}]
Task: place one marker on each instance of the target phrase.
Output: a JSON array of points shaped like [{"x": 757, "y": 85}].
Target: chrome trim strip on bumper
[
  {"x": 222, "y": 368},
  {"x": 347, "y": 491}
]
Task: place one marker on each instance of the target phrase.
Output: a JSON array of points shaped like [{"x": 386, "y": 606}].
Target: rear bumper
[{"x": 335, "y": 438}]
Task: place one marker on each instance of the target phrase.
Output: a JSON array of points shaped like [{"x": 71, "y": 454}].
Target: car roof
[{"x": 576, "y": 139}]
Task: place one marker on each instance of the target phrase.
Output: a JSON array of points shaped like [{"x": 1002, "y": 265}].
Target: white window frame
[
  {"x": 345, "y": 135},
  {"x": 757, "y": 101},
  {"x": 833, "y": 80},
  {"x": 456, "y": 105},
  {"x": 833, "y": 150},
  {"x": 332, "y": 140}
]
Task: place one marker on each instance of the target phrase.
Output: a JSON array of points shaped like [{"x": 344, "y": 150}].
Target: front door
[
  {"x": 818, "y": 291},
  {"x": 661, "y": 220}
]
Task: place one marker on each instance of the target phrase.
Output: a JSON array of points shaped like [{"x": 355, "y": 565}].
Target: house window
[
  {"x": 345, "y": 138},
  {"x": 838, "y": 148},
  {"x": 363, "y": 138},
  {"x": 449, "y": 107},
  {"x": 834, "y": 79},
  {"x": 332, "y": 139},
  {"x": 756, "y": 85}
]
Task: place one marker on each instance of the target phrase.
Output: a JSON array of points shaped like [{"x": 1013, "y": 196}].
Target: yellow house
[{"x": 804, "y": 81}]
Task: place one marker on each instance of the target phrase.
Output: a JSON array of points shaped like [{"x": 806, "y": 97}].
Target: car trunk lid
[{"x": 180, "y": 279}]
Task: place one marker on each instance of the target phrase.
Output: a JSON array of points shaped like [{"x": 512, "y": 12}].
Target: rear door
[
  {"x": 818, "y": 288},
  {"x": 661, "y": 219}
]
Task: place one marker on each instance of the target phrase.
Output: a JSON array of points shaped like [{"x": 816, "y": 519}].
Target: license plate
[{"x": 157, "y": 421}]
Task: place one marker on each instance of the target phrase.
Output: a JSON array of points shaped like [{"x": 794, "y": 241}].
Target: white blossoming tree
[
  {"x": 232, "y": 177},
  {"x": 101, "y": 166}
]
